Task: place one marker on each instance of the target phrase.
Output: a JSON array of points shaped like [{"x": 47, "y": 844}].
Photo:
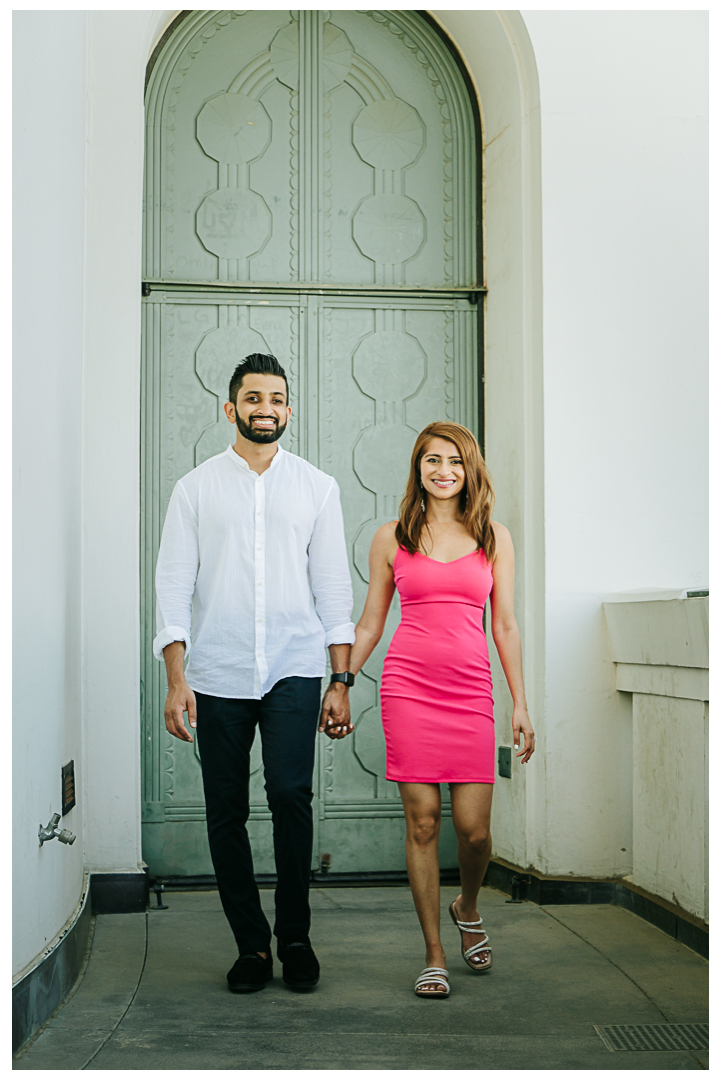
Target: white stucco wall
[
  {"x": 624, "y": 124},
  {"x": 119, "y": 45},
  {"x": 48, "y": 220},
  {"x": 78, "y": 131}
]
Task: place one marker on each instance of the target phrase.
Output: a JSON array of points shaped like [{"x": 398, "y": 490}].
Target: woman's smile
[{"x": 441, "y": 468}]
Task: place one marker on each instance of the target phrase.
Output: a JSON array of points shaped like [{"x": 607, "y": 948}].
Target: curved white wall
[
  {"x": 78, "y": 134},
  {"x": 48, "y": 221},
  {"x": 624, "y": 164},
  {"x": 119, "y": 45}
]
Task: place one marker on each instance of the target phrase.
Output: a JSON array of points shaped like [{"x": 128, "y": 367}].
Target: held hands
[
  {"x": 335, "y": 716},
  {"x": 521, "y": 723},
  {"x": 180, "y": 700}
]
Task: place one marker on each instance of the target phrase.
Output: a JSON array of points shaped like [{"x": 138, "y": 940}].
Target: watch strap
[{"x": 345, "y": 677}]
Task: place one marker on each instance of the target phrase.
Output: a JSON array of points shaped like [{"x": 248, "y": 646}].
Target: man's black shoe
[
  {"x": 250, "y": 972},
  {"x": 301, "y": 969}
]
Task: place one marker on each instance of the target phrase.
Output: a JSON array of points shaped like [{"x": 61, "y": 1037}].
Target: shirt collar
[{"x": 243, "y": 463}]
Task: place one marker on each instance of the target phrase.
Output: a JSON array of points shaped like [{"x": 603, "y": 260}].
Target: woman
[{"x": 445, "y": 556}]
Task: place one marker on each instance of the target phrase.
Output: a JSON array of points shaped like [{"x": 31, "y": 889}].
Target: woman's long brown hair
[{"x": 477, "y": 499}]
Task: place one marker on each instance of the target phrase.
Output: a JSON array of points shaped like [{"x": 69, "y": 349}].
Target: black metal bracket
[
  {"x": 159, "y": 889},
  {"x": 518, "y": 886}
]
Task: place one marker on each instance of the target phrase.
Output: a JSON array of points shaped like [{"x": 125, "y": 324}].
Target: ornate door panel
[
  {"x": 310, "y": 192},
  {"x": 189, "y": 341},
  {"x": 387, "y": 367}
]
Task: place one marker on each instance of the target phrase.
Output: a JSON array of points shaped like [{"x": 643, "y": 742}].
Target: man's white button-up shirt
[{"x": 240, "y": 560}]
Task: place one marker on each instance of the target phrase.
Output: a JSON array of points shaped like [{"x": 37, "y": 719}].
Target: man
[{"x": 248, "y": 535}]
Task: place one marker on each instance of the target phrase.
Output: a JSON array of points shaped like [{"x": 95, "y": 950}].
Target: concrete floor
[{"x": 154, "y": 994}]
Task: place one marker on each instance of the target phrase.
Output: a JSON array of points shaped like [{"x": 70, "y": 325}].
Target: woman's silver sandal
[
  {"x": 432, "y": 976},
  {"x": 474, "y": 950}
]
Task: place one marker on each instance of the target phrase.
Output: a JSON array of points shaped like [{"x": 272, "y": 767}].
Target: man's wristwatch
[{"x": 345, "y": 677}]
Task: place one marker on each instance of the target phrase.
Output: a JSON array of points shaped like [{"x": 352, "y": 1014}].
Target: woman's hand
[{"x": 521, "y": 723}]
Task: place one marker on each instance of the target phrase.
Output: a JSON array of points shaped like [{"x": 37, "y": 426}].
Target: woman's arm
[
  {"x": 380, "y": 592},
  {"x": 506, "y": 636}
]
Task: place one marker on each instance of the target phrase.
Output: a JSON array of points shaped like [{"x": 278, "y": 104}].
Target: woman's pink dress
[{"x": 436, "y": 690}]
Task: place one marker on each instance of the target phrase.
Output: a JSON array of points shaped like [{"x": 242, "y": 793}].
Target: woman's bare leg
[
  {"x": 421, "y": 803},
  {"x": 471, "y": 806}
]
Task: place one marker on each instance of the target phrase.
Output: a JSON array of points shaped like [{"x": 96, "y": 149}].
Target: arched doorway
[{"x": 311, "y": 190}]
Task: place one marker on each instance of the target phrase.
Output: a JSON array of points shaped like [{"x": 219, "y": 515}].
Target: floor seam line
[
  {"x": 601, "y": 953},
  {"x": 338, "y": 906},
  {"x": 80, "y": 976},
  {"x": 110, "y": 1034},
  {"x": 618, "y": 968}
]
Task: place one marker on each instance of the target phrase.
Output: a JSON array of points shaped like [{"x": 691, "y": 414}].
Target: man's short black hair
[{"x": 255, "y": 364}]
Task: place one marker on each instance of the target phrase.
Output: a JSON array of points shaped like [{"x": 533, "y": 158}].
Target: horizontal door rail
[{"x": 471, "y": 291}]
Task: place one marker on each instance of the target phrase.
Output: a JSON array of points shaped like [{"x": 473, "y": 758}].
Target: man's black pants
[{"x": 287, "y": 717}]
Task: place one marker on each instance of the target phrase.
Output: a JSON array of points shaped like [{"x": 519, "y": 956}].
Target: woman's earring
[{"x": 422, "y": 504}]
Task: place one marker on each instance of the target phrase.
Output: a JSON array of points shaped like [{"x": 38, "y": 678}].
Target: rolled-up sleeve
[
  {"x": 329, "y": 572},
  {"x": 176, "y": 573}
]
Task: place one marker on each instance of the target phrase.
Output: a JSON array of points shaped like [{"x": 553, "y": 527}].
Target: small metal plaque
[{"x": 68, "y": 787}]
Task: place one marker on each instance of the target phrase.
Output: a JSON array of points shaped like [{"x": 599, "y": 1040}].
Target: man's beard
[{"x": 255, "y": 434}]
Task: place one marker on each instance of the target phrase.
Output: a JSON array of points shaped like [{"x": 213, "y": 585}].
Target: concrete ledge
[
  {"x": 664, "y": 680},
  {"x": 38, "y": 994},
  {"x": 670, "y": 631}
]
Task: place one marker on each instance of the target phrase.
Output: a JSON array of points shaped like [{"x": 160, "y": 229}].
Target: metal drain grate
[{"x": 654, "y": 1036}]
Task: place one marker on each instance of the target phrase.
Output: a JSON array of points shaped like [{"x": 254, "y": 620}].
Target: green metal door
[{"x": 310, "y": 192}]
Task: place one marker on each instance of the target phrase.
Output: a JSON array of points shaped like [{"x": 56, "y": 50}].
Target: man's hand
[
  {"x": 335, "y": 716},
  {"x": 180, "y": 698}
]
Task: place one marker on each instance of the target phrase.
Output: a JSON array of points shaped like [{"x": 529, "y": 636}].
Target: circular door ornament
[
  {"x": 381, "y": 458},
  {"x": 219, "y": 352},
  {"x": 389, "y": 228},
  {"x": 369, "y": 742},
  {"x": 361, "y": 546},
  {"x": 389, "y": 365},
  {"x": 232, "y": 223},
  {"x": 337, "y": 54},
  {"x": 233, "y": 129},
  {"x": 215, "y": 360},
  {"x": 388, "y": 134}
]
